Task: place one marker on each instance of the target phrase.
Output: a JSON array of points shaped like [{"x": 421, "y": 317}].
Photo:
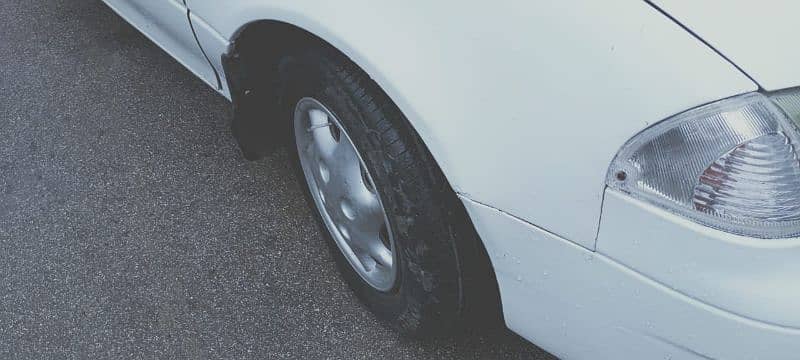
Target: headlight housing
[{"x": 732, "y": 165}]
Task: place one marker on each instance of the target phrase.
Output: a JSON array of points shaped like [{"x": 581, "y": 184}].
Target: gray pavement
[{"x": 130, "y": 226}]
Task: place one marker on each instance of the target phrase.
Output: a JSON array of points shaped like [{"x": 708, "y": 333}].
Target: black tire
[{"x": 443, "y": 272}]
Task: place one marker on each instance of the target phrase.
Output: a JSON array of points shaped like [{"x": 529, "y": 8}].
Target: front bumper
[{"x": 632, "y": 299}]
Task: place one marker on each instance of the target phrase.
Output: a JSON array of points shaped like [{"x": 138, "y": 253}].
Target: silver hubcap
[{"x": 344, "y": 193}]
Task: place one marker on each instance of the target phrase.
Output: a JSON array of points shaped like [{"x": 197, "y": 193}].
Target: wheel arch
[{"x": 251, "y": 69}]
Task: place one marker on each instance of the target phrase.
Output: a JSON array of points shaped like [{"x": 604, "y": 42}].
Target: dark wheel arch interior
[{"x": 251, "y": 70}]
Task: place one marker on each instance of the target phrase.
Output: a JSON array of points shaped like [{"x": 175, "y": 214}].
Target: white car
[{"x": 620, "y": 177}]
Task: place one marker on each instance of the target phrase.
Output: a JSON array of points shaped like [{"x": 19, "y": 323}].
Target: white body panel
[
  {"x": 167, "y": 24},
  {"x": 523, "y": 104},
  {"x": 754, "y": 278},
  {"x": 580, "y": 304},
  {"x": 758, "y": 36}
]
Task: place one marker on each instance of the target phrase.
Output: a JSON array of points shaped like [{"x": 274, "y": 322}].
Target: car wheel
[{"x": 397, "y": 230}]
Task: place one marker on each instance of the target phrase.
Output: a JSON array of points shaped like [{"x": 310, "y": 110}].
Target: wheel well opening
[
  {"x": 269, "y": 39},
  {"x": 252, "y": 69}
]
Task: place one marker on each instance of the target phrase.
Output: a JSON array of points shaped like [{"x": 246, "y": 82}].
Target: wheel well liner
[{"x": 251, "y": 70}]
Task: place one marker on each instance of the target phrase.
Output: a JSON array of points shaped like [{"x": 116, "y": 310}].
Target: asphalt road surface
[{"x": 130, "y": 226}]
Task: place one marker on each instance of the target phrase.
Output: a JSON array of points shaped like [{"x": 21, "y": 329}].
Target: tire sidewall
[{"x": 311, "y": 74}]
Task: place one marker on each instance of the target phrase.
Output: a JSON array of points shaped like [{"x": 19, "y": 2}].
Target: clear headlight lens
[{"x": 732, "y": 165}]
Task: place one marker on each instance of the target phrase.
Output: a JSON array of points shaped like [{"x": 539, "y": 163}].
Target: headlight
[{"x": 731, "y": 165}]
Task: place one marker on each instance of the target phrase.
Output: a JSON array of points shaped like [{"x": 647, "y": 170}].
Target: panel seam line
[{"x": 698, "y": 37}]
